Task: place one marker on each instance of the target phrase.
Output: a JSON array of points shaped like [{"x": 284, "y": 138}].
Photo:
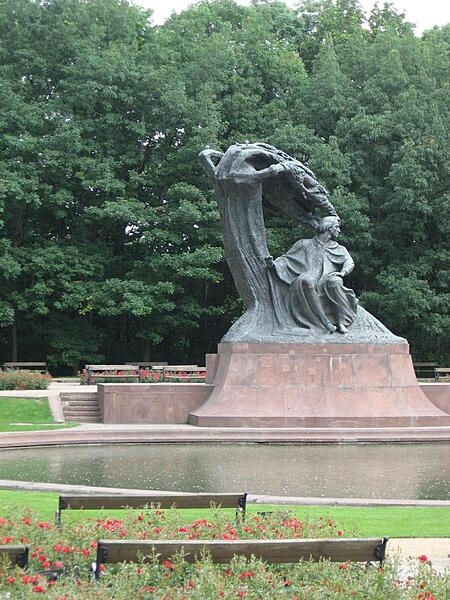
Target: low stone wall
[
  {"x": 150, "y": 403},
  {"x": 171, "y": 403},
  {"x": 438, "y": 394}
]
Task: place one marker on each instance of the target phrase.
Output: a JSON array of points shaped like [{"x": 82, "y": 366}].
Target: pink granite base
[
  {"x": 438, "y": 394},
  {"x": 316, "y": 385},
  {"x": 152, "y": 403}
]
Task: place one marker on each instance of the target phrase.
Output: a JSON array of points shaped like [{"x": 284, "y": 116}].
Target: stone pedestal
[{"x": 316, "y": 385}]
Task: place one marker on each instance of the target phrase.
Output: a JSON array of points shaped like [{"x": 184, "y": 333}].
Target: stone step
[
  {"x": 80, "y": 414},
  {"x": 81, "y": 407},
  {"x": 80, "y": 403},
  {"x": 67, "y": 396},
  {"x": 84, "y": 419}
]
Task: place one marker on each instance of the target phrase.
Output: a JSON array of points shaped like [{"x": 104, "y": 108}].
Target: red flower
[
  {"x": 423, "y": 558},
  {"x": 38, "y": 589},
  {"x": 245, "y": 575},
  {"x": 10, "y": 579},
  {"x": 168, "y": 564},
  {"x": 44, "y": 525},
  {"x": 7, "y": 539},
  {"x": 340, "y": 533}
]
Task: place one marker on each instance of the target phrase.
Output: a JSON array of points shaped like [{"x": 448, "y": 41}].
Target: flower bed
[
  {"x": 24, "y": 380},
  {"x": 147, "y": 376},
  {"x": 71, "y": 550},
  {"x": 158, "y": 376}
]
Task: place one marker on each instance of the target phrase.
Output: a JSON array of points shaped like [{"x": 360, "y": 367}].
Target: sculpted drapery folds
[
  {"x": 314, "y": 295},
  {"x": 300, "y": 295}
]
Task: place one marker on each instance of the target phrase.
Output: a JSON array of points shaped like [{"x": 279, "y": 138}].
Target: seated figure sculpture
[{"x": 313, "y": 269}]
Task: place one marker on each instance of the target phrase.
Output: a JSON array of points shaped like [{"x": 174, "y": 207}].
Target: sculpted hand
[
  {"x": 277, "y": 168},
  {"x": 341, "y": 274},
  {"x": 269, "y": 262}
]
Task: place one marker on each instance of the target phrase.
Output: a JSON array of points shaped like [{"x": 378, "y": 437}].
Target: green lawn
[
  {"x": 363, "y": 521},
  {"x": 27, "y": 414}
]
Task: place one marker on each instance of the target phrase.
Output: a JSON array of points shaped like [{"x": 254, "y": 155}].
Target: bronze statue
[
  {"x": 300, "y": 296},
  {"x": 314, "y": 295}
]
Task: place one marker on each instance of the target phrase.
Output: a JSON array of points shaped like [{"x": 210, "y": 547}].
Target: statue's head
[{"x": 328, "y": 223}]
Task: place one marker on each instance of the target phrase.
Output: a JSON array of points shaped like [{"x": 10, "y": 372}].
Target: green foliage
[
  {"x": 110, "y": 243},
  {"x": 24, "y": 380},
  {"x": 74, "y": 545}
]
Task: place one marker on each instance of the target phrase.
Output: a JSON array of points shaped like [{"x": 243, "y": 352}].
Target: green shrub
[
  {"x": 71, "y": 550},
  {"x": 24, "y": 380}
]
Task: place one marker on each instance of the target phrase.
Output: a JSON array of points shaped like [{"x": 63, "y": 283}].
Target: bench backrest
[
  {"x": 181, "y": 501},
  {"x": 222, "y": 551},
  {"x": 112, "y": 368},
  {"x": 38, "y": 366},
  {"x": 18, "y": 555},
  {"x": 177, "y": 367},
  {"x": 147, "y": 364}
]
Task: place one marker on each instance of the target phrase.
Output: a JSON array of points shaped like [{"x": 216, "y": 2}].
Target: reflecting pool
[{"x": 410, "y": 471}]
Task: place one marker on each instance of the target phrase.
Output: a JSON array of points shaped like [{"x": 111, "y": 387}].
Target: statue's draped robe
[{"x": 304, "y": 293}]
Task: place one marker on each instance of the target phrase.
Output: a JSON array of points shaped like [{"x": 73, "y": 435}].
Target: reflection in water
[{"x": 414, "y": 471}]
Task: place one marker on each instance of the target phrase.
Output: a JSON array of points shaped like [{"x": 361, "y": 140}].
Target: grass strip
[
  {"x": 363, "y": 521},
  {"x": 27, "y": 414},
  {"x": 27, "y": 410}
]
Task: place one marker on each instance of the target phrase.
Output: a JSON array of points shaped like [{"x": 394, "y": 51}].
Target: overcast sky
[{"x": 424, "y": 13}]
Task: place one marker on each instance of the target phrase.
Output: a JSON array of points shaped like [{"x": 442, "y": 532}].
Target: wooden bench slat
[
  {"x": 148, "y": 364},
  {"x": 181, "y": 501},
  {"x": 273, "y": 551},
  {"x": 140, "y": 501},
  {"x": 441, "y": 372},
  {"x": 18, "y": 555},
  {"x": 26, "y": 366},
  {"x": 113, "y": 367},
  {"x": 177, "y": 367},
  {"x": 110, "y": 372}
]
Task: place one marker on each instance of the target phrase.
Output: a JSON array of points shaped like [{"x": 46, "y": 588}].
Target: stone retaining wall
[{"x": 150, "y": 403}]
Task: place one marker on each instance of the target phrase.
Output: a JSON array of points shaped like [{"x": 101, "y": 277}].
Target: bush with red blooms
[{"x": 60, "y": 559}]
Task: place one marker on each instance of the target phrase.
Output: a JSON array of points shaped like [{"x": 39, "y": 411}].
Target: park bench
[
  {"x": 441, "y": 373},
  {"x": 424, "y": 369},
  {"x": 178, "y": 501},
  {"x": 179, "y": 373},
  {"x": 147, "y": 364},
  {"x": 365, "y": 550},
  {"x": 17, "y": 555},
  {"x": 112, "y": 372},
  {"x": 26, "y": 366}
]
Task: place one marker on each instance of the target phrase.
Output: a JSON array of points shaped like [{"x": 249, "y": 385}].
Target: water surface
[{"x": 409, "y": 471}]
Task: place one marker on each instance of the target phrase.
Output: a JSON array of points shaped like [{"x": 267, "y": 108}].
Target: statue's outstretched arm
[{"x": 206, "y": 156}]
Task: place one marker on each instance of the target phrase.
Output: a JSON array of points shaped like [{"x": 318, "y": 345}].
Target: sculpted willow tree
[{"x": 300, "y": 296}]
